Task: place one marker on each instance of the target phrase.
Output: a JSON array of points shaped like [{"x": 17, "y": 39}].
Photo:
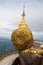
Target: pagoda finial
[
  {"x": 23, "y": 15},
  {"x": 23, "y": 22}
]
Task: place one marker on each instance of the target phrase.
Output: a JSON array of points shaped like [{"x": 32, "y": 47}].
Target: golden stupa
[{"x": 22, "y": 37}]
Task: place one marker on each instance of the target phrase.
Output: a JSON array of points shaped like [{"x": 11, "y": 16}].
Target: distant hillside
[{"x": 6, "y": 46}]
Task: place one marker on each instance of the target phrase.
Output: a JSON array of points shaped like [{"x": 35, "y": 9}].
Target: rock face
[
  {"x": 42, "y": 62},
  {"x": 22, "y": 38},
  {"x": 29, "y": 59},
  {"x": 17, "y": 61},
  {"x": 37, "y": 61}
]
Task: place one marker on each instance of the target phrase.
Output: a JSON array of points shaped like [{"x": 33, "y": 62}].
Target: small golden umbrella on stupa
[{"x": 22, "y": 37}]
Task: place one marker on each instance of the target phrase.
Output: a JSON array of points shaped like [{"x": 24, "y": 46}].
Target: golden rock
[{"x": 22, "y": 37}]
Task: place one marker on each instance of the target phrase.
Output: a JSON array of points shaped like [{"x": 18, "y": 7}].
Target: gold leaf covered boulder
[{"x": 22, "y": 37}]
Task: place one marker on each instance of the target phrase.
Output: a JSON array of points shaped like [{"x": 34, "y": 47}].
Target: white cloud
[{"x": 38, "y": 35}]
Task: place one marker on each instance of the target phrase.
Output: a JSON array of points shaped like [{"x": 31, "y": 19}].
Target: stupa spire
[
  {"x": 23, "y": 22},
  {"x": 23, "y": 15}
]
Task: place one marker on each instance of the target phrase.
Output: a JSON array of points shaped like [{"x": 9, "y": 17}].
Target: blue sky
[{"x": 10, "y": 16}]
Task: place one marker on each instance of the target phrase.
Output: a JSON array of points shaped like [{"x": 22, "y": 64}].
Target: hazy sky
[{"x": 10, "y": 16}]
